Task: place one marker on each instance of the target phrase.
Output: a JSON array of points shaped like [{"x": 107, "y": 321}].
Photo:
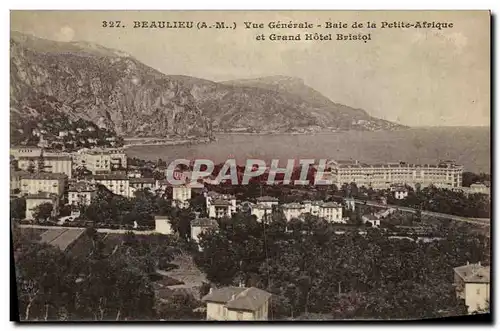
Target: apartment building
[
  {"x": 220, "y": 209},
  {"x": 446, "y": 174},
  {"x": 260, "y": 211},
  {"x": 101, "y": 160},
  {"x": 400, "y": 192},
  {"x": 136, "y": 184},
  {"x": 267, "y": 201},
  {"x": 81, "y": 193},
  {"x": 200, "y": 226},
  {"x": 116, "y": 183},
  {"x": 34, "y": 200},
  {"x": 476, "y": 188},
  {"x": 25, "y": 151},
  {"x": 163, "y": 225},
  {"x": 181, "y": 194},
  {"x": 43, "y": 182},
  {"x": 292, "y": 210},
  {"x": 237, "y": 304},
  {"x": 95, "y": 162},
  {"x": 472, "y": 282},
  {"x": 118, "y": 157},
  {"x": 330, "y": 211},
  {"x": 49, "y": 163},
  {"x": 226, "y": 204},
  {"x": 15, "y": 179},
  {"x": 372, "y": 219}
]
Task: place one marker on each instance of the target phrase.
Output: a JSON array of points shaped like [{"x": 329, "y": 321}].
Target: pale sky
[{"x": 417, "y": 77}]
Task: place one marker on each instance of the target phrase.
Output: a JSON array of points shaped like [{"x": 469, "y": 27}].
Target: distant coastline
[
  {"x": 130, "y": 142},
  {"x": 158, "y": 141}
]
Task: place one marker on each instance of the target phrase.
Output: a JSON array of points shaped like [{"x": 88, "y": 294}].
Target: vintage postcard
[{"x": 250, "y": 165}]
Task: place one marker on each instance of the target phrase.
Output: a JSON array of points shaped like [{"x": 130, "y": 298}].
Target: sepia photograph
[{"x": 250, "y": 166}]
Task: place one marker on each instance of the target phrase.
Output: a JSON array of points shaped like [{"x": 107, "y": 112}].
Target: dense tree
[
  {"x": 43, "y": 211},
  {"x": 17, "y": 208},
  {"x": 310, "y": 269},
  {"x": 113, "y": 285}
]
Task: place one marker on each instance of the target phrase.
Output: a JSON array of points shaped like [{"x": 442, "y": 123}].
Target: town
[{"x": 101, "y": 194}]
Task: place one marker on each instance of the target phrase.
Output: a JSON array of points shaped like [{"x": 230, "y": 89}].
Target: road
[
  {"x": 477, "y": 221},
  {"x": 121, "y": 231}
]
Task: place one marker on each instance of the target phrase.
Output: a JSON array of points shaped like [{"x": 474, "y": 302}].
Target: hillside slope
[
  {"x": 101, "y": 85},
  {"x": 84, "y": 81}
]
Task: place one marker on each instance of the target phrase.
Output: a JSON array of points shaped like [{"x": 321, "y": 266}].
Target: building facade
[
  {"x": 181, "y": 194},
  {"x": 162, "y": 225},
  {"x": 43, "y": 182},
  {"x": 292, "y": 210},
  {"x": 34, "y": 200},
  {"x": 330, "y": 211},
  {"x": 260, "y": 211},
  {"x": 15, "y": 179},
  {"x": 200, "y": 226},
  {"x": 472, "y": 283},
  {"x": 220, "y": 205},
  {"x": 96, "y": 162},
  {"x": 237, "y": 304},
  {"x": 446, "y": 174},
  {"x": 25, "y": 151},
  {"x": 267, "y": 201},
  {"x": 220, "y": 209},
  {"x": 116, "y": 183},
  {"x": 81, "y": 193},
  {"x": 61, "y": 164},
  {"x": 136, "y": 184}
]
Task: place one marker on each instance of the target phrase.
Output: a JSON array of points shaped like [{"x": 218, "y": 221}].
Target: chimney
[
  {"x": 479, "y": 263},
  {"x": 210, "y": 291},
  {"x": 467, "y": 262},
  {"x": 233, "y": 297}
]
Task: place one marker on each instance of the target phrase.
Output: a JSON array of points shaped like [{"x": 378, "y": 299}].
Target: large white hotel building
[{"x": 445, "y": 174}]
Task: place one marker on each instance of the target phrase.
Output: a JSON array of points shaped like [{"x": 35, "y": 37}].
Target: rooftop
[
  {"x": 474, "y": 273},
  {"x": 41, "y": 195},
  {"x": 82, "y": 186},
  {"x": 61, "y": 238},
  {"x": 142, "y": 180},
  {"x": 292, "y": 206},
  {"x": 371, "y": 217},
  {"x": 19, "y": 173},
  {"x": 262, "y": 206},
  {"x": 44, "y": 175},
  {"x": 204, "y": 222},
  {"x": 213, "y": 194},
  {"x": 357, "y": 164},
  {"x": 238, "y": 298},
  {"x": 110, "y": 177},
  {"x": 330, "y": 204},
  {"x": 221, "y": 203},
  {"x": 57, "y": 157},
  {"x": 267, "y": 199}
]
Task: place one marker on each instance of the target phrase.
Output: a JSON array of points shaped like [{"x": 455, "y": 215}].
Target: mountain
[
  {"x": 323, "y": 111},
  {"x": 87, "y": 82},
  {"x": 100, "y": 85}
]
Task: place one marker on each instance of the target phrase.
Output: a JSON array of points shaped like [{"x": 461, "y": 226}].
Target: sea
[{"x": 468, "y": 146}]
